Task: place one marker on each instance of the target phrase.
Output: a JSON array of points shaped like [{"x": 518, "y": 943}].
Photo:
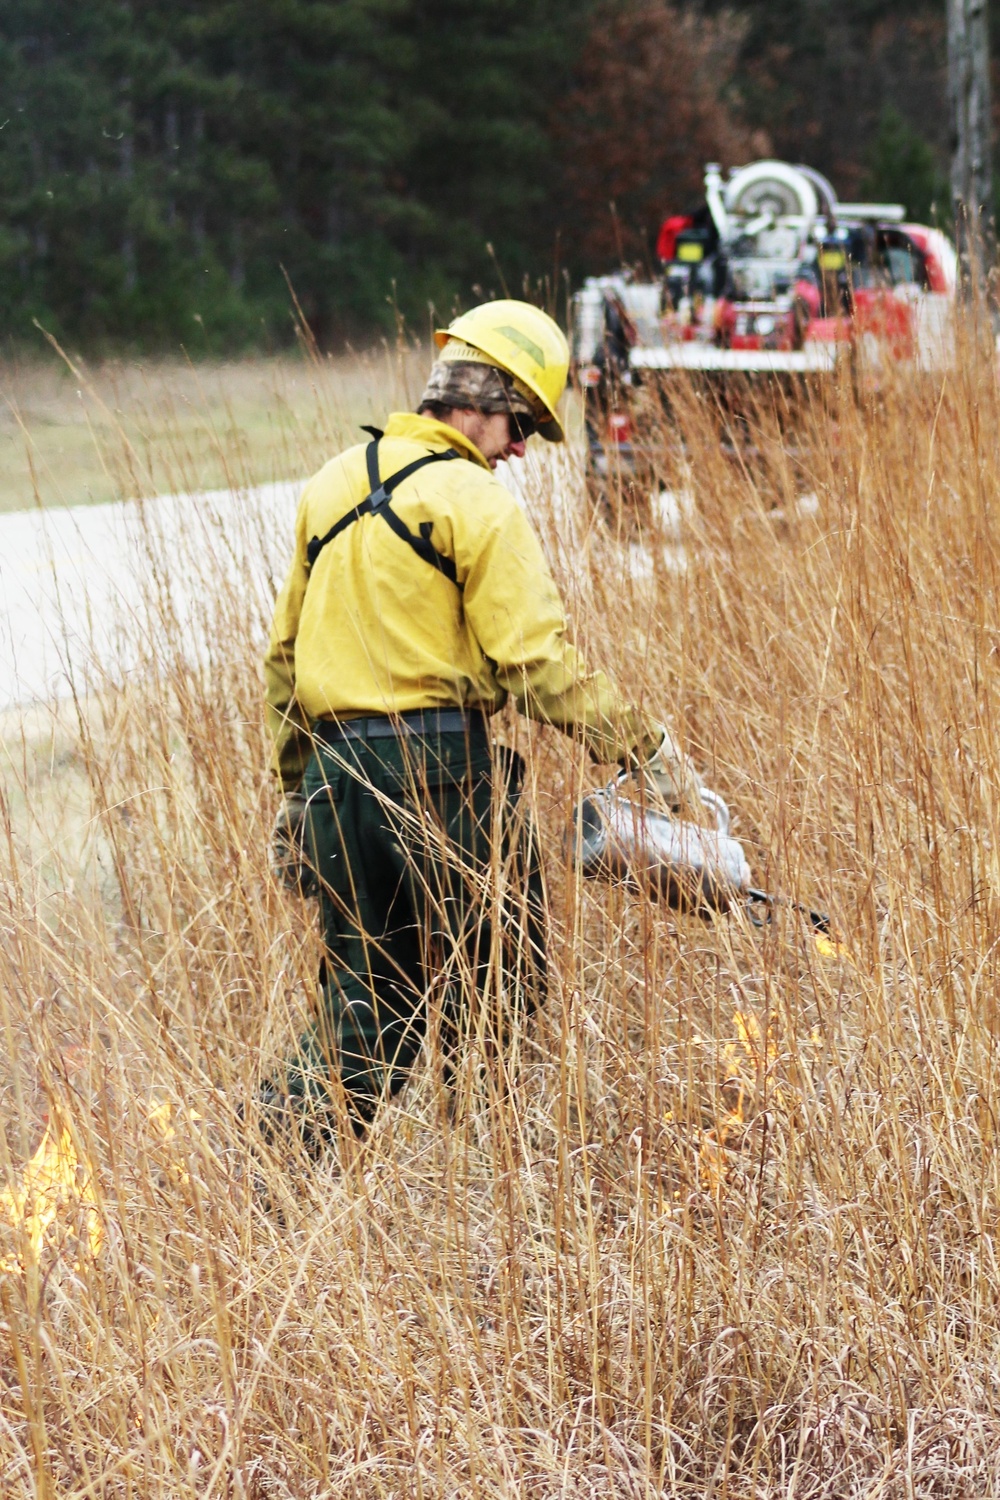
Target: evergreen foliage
[
  {"x": 164, "y": 166},
  {"x": 902, "y": 168}
]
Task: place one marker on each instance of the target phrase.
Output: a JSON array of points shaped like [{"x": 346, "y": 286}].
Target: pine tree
[
  {"x": 297, "y": 142},
  {"x": 161, "y": 163},
  {"x": 481, "y": 169},
  {"x": 68, "y": 171},
  {"x": 164, "y": 163}
]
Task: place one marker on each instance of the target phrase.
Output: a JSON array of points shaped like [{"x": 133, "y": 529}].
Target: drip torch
[{"x": 693, "y": 868}]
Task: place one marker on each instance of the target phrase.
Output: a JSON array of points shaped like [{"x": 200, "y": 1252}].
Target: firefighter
[{"x": 418, "y": 601}]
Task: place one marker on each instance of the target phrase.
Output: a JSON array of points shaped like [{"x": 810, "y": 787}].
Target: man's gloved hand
[
  {"x": 287, "y": 849},
  {"x": 673, "y": 778}
]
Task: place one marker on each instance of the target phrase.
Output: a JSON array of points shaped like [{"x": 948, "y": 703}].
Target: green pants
[{"x": 430, "y": 894}]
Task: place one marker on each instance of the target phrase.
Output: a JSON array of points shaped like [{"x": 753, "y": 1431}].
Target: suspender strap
[{"x": 376, "y": 503}]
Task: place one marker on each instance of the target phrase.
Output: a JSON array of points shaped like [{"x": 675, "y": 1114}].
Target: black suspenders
[{"x": 376, "y": 503}]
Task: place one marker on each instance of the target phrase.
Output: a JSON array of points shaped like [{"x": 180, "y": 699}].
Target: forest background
[{"x": 169, "y": 167}]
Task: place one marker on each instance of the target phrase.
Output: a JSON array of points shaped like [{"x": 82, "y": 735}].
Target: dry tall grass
[{"x": 730, "y": 1231}]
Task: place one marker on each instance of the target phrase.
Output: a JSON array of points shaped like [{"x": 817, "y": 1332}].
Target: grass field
[
  {"x": 724, "y": 1224},
  {"x": 74, "y": 436}
]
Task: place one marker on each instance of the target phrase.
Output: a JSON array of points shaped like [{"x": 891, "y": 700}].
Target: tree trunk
[
  {"x": 971, "y": 161},
  {"x": 126, "y": 170}
]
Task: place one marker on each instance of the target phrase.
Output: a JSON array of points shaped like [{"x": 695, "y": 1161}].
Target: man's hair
[{"x": 436, "y": 409}]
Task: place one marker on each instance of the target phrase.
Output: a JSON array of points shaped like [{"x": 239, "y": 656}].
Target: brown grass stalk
[{"x": 656, "y": 1254}]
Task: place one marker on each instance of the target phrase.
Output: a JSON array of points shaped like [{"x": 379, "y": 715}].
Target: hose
[{"x": 818, "y": 921}]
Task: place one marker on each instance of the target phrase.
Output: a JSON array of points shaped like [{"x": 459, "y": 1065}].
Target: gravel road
[{"x": 73, "y": 581}]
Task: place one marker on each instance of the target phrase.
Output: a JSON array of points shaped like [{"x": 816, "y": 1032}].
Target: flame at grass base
[
  {"x": 55, "y": 1183},
  {"x": 56, "y": 1199},
  {"x": 759, "y": 1051}
]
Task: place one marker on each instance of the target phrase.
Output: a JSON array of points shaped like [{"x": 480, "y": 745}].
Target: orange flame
[
  {"x": 712, "y": 1160},
  {"x": 759, "y": 1051},
  {"x": 829, "y": 948},
  {"x": 55, "y": 1180}
]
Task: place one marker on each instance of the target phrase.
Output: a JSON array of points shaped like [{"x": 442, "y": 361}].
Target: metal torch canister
[{"x": 692, "y": 868}]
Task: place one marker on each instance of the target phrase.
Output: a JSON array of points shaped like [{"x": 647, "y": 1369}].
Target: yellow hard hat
[{"x": 525, "y": 342}]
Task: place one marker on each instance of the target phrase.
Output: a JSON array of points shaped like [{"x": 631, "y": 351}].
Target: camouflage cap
[{"x": 472, "y": 382}]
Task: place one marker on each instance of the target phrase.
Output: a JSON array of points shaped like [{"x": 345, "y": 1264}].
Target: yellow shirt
[{"x": 374, "y": 629}]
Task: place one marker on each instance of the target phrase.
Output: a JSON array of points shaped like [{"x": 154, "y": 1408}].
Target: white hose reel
[{"x": 773, "y": 188}]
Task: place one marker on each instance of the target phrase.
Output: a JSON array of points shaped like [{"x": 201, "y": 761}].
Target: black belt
[{"x": 422, "y": 721}]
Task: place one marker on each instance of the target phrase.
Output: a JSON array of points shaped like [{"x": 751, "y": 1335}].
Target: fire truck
[{"x": 770, "y": 276}]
